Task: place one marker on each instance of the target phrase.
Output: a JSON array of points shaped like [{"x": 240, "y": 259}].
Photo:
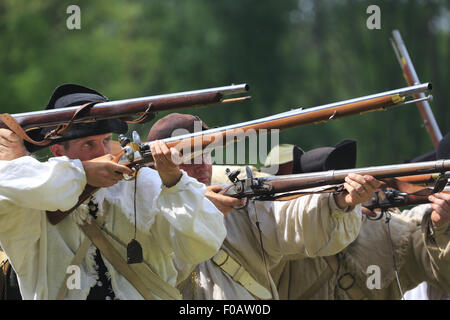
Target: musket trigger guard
[
  {"x": 378, "y": 217},
  {"x": 242, "y": 207},
  {"x": 133, "y": 176},
  {"x": 378, "y": 202}
]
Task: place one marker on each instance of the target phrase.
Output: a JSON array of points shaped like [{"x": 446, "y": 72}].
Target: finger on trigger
[{"x": 123, "y": 169}]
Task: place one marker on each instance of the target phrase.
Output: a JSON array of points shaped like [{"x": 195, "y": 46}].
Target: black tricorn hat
[
  {"x": 441, "y": 152},
  {"x": 443, "y": 148},
  {"x": 68, "y": 95},
  {"x": 341, "y": 156}
]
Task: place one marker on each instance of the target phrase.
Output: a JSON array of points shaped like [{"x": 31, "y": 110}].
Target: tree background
[{"x": 292, "y": 53}]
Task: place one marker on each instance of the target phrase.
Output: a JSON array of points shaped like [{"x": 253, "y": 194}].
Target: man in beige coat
[
  {"x": 261, "y": 234},
  {"x": 365, "y": 269}
]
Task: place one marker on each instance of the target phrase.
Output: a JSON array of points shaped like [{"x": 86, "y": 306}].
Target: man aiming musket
[{"x": 93, "y": 240}]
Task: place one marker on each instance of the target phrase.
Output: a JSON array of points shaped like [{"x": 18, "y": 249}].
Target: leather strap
[
  {"x": 14, "y": 126},
  {"x": 62, "y": 129},
  {"x": 54, "y": 217},
  {"x": 139, "y": 275},
  {"x": 146, "y": 116},
  {"x": 323, "y": 278},
  {"x": 76, "y": 261},
  {"x": 238, "y": 273}
]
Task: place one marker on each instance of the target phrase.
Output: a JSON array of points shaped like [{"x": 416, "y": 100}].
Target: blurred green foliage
[{"x": 292, "y": 53}]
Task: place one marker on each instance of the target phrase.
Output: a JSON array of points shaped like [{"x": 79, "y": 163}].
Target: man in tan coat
[
  {"x": 261, "y": 234},
  {"x": 419, "y": 249},
  {"x": 365, "y": 269}
]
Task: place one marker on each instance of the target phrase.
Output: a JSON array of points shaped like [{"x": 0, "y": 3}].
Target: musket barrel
[
  {"x": 412, "y": 78},
  {"x": 331, "y": 177},
  {"x": 299, "y": 113},
  {"x": 127, "y": 108},
  {"x": 224, "y": 90}
]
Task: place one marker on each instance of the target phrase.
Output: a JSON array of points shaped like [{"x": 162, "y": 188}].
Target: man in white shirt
[{"x": 172, "y": 217}]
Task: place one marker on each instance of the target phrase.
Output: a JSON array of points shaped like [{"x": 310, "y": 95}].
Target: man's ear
[{"x": 57, "y": 150}]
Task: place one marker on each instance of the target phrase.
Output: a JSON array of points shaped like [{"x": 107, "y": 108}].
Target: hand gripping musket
[
  {"x": 287, "y": 187},
  {"x": 412, "y": 79},
  {"x": 136, "y": 110},
  {"x": 135, "y": 153},
  {"x": 384, "y": 200},
  {"x": 406, "y": 191}
]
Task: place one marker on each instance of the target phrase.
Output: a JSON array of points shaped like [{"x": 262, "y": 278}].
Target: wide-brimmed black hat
[
  {"x": 68, "y": 95},
  {"x": 441, "y": 152},
  {"x": 341, "y": 156}
]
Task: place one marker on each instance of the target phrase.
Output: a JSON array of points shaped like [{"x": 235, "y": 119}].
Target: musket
[
  {"x": 412, "y": 79},
  {"x": 283, "y": 187},
  {"x": 406, "y": 191},
  {"x": 425, "y": 180},
  {"x": 135, "y": 153},
  {"x": 393, "y": 198},
  {"x": 135, "y": 110}
]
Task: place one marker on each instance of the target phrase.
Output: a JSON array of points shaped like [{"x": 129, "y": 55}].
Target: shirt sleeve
[
  {"x": 309, "y": 226},
  {"x": 27, "y": 187},
  {"x": 430, "y": 247},
  {"x": 52, "y": 185},
  {"x": 196, "y": 227}
]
